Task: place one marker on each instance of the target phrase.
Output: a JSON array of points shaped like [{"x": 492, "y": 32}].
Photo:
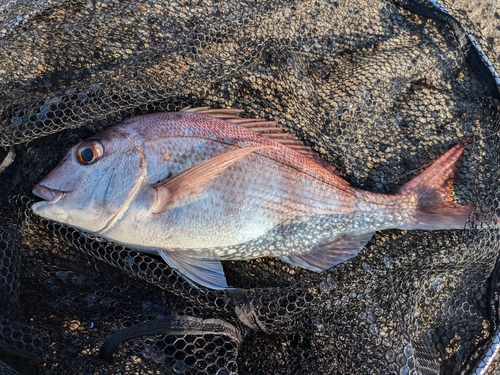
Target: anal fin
[
  {"x": 327, "y": 255},
  {"x": 208, "y": 273}
]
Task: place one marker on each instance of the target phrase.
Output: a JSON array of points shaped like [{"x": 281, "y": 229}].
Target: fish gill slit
[{"x": 140, "y": 183}]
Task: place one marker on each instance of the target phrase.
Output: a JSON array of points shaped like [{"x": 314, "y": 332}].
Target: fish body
[{"x": 203, "y": 185}]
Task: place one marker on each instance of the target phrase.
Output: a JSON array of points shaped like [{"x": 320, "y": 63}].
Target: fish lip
[{"x": 50, "y": 195}]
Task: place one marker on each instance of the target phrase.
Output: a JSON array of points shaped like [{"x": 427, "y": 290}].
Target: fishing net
[{"x": 379, "y": 89}]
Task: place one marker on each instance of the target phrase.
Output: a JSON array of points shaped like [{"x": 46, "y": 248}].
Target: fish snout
[{"x": 52, "y": 196}]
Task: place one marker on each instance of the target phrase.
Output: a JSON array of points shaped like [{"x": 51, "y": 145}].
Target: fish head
[{"x": 94, "y": 182}]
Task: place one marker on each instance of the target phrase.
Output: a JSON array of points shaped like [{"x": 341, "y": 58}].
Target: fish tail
[{"x": 433, "y": 191}]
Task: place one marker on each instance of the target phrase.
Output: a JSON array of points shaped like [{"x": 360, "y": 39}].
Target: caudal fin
[{"x": 433, "y": 187}]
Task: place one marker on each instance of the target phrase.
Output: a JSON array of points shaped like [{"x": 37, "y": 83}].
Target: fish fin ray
[
  {"x": 232, "y": 115},
  {"x": 221, "y": 113},
  {"x": 265, "y": 128},
  {"x": 433, "y": 188},
  {"x": 441, "y": 216},
  {"x": 435, "y": 183},
  {"x": 329, "y": 254},
  {"x": 195, "y": 179},
  {"x": 208, "y": 273}
]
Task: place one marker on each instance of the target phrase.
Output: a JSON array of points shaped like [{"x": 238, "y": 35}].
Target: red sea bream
[{"x": 201, "y": 185}]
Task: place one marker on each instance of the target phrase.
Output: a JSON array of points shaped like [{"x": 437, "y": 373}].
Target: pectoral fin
[
  {"x": 195, "y": 179},
  {"x": 208, "y": 273},
  {"x": 329, "y": 254}
]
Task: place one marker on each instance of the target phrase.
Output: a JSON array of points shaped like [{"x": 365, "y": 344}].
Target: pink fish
[{"x": 205, "y": 185}]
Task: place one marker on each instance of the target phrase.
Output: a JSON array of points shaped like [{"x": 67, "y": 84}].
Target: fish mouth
[{"x": 51, "y": 196}]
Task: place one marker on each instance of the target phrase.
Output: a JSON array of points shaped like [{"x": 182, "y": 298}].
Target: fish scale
[{"x": 206, "y": 185}]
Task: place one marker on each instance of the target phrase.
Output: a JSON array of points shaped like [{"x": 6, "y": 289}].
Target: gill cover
[{"x": 96, "y": 181}]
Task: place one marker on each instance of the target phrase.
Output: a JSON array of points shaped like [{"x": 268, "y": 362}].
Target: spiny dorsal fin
[
  {"x": 266, "y": 128},
  {"x": 233, "y": 115},
  {"x": 222, "y": 113}
]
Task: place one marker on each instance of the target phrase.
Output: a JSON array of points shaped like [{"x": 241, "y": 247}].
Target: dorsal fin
[
  {"x": 266, "y": 128},
  {"x": 221, "y": 113}
]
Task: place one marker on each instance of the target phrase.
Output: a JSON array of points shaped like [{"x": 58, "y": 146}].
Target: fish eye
[{"x": 89, "y": 152}]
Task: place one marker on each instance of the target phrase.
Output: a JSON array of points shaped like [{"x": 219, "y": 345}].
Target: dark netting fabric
[{"x": 379, "y": 88}]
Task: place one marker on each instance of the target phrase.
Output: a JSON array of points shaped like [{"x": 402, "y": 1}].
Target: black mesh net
[{"x": 379, "y": 89}]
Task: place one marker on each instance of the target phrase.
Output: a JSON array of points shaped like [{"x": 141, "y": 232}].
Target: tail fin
[{"x": 433, "y": 188}]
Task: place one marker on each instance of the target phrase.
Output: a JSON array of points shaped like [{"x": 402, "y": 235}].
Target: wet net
[{"x": 379, "y": 89}]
